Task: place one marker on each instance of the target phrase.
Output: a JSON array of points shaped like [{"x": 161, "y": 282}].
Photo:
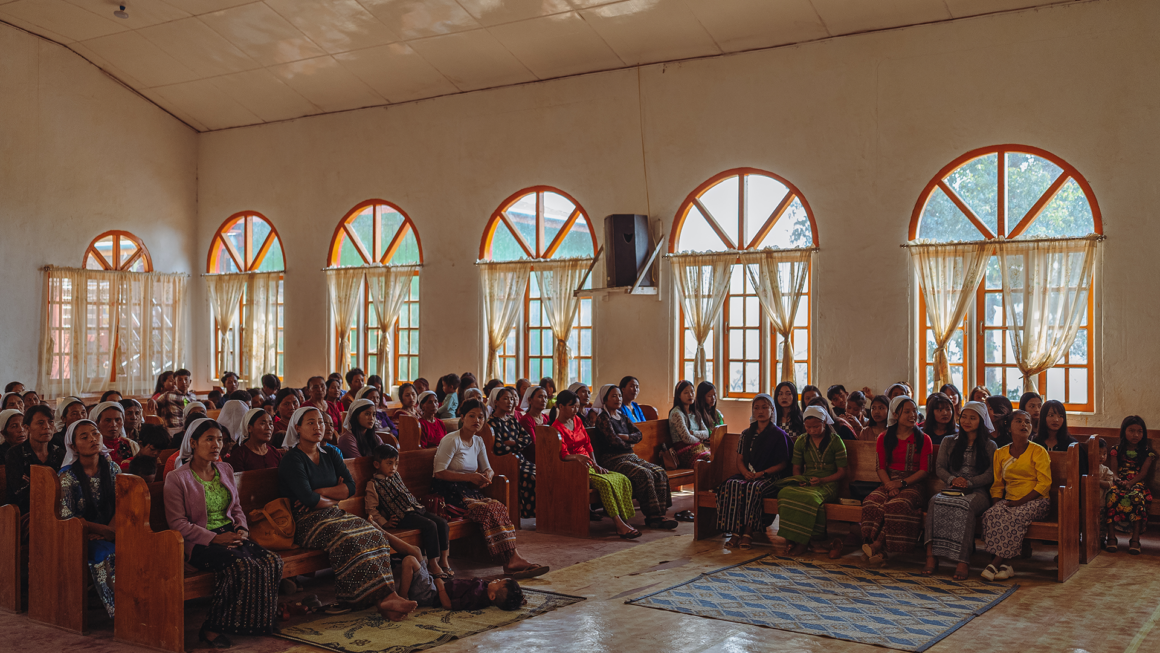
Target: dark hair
[
  {"x": 335, "y": 382},
  {"x": 362, "y": 437},
  {"x": 509, "y": 596},
  {"x": 109, "y": 393},
  {"x": 796, "y": 423},
  {"x": 491, "y": 385},
  {"x": 933, "y": 403},
  {"x": 182, "y": 372},
  {"x": 678, "y": 391},
  {"x": 108, "y": 507},
  {"x": 403, "y": 387},
  {"x": 161, "y": 379},
  {"x": 384, "y": 452},
  {"x": 466, "y": 380},
  {"x": 334, "y": 375},
  {"x": 154, "y": 434},
  {"x": 205, "y": 426},
  {"x": 470, "y": 405},
  {"x": 564, "y": 398},
  {"x": 978, "y": 388},
  {"x": 239, "y": 395},
  {"x": 271, "y": 381},
  {"x": 423, "y": 381},
  {"x": 903, "y": 386},
  {"x": 953, "y": 390},
  {"x": 11, "y": 386},
  {"x": 626, "y": 380},
  {"x": 547, "y": 381},
  {"x": 353, "y": 373},
  {"x": 228, "y": 375},
  {"x": 701, "y": 407},
  {"x": 806, "y": 389},
  {"x": 833, "y": 390},
  {"x": 1063, "y": 436},
  {"x": 891, "y": 439},
  {"x": 38, "y": 408},
  {"x": 830, "y": 430},
  {"x": 1103, "y": 443},
  {"x": 1026, "y": 398},
  {"x": 1002, "y": 408},
  {"x": 142, "y": 465},
  {"x": 214, "y": 395},
  {"x": 281, "y": 396},
  {"x": 982, "y": 460},
  {"x": 825, "y": 404},
  {"x": 1142, "y": 447},
  {"x": 451, "y": 380},
  {"x": 857, "y": 397}
]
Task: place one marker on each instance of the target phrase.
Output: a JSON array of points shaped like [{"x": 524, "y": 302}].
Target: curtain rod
[
  {"x": 995, "y": 241},
  {"x": 745, "y": 252},
  {"x": 372, "y": 267},
  {"x": 50, "y": 267}
]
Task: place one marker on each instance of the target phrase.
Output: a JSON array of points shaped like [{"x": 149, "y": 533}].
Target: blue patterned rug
[{"x": 894, "y": 609}]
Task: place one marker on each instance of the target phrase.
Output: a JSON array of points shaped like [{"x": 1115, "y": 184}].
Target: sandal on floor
[
  {"x": 631, "y": 535},
  {"x": 745, "y": 543},
  {"x": 836, "y": 549},
  {"x": 338, "y": 608},
  {"x": 732, "y": 542},
  {"x": 989, "y": 572},
  {"x": 1111, "y": 546},
  {"x": 1134, "y": 547},
  {"x": 684, "y": 515},
  {"x": 1005, "y": 572},
  {"x": 530, "y": 572},
  {"x": 869, "y": 556}
]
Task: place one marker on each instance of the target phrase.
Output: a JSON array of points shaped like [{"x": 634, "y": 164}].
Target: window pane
[
  {"x": 1078, "y": 354},
  {"x": 753, "y": 344},
  {"x": 1067, "y": 214},
  {"x": 752, "y": 377},
  {"x": 762, "y": 196},
  {"x": 1077, "y": 392},
  {"x": 993, "y": 310},
  {"x": 792, "y": 230},
  {"x": 993, "y": 345},
  {"x": 977, "y": 184},
  {"x": 1028, "y": 176},
  {"x": 736, "y": 377},
  {"x": 943, "y": 221},
  {"x": 721, "y": 200}
]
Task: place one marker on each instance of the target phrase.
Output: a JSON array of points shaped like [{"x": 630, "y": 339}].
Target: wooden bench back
[
  {"x": 155, "y": 420},
  {"x": 649, "y": 412},
  {"x": 409, "y": 433},
  {"x": 654, "y": 434}
]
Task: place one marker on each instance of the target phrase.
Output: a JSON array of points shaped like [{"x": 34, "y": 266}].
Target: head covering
[
  {"x": 129, "y": 401},
  {"x": 818, "y": 412},
  {"x": 471, "y": 392},
  {"x": 423, "y": 395},
  {"x": 247, "y": 419},
  {"x": 62, "y": 405},
  {"x": 363, "y": 390},
  {"x": 528, "y": 396},
  {"x": 576, "y": 386},
  {"x": 354, "y": 407},
  {"x": 598, "y": 402},
  {"x": 231, "y": 418},
  {"x": 190, "y": 406},
  {"x": 4, "y": 417},
  {"x": 895, "y": 404},
  {"x": 493, "y": 396},
  {"x": 292, "y": 438},
  {"x": 102, "y": 407},
  {"x": 186, "y": 451},
  {"x": 70, "y": 454},
  {"x": 9, "y": 394},
  {"x": 981, "y": 409}
]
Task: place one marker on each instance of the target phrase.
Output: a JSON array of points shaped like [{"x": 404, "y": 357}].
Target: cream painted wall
[
  {"x": 859, "y": 124},
  {"x": 80, "y": 154}
]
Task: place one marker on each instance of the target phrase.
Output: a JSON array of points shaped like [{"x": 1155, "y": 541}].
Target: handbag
[
  {"x": 272, "y": 527},
  {"x": 669, "y": 457},
  {"x": 438, "y": 506}
]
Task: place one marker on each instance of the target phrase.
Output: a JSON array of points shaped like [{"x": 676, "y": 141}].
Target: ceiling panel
[
  {"x": 737, "y": 25},
  {"x": 264, "y": 35},
  {"x": 173, "y": 108},
  {"x": 558, "y": 45},
  {"x": 141, "y": 59},
  {"x": 104, "y": 64},
  {"x": 852, "y": 16},
  {"x": 35, "y": 29},
  {"x": 473, "y": 60},
  {"x": 60, "y": 17},
  {"x": 415, "y": 19},
  {"x": 265, "y": 95},
  {"x": 961, "y": 8},
  {"x": 201, "y": 49},
  {"x": 142, "y": 13},
  {"x": 396, "y": 72},
  {"x": 646, "y": 31},
  {"x": 208, "y": 104},
  {"x": 497, "y": 12},
  {"x": 198, "y": 7},
  {"x": 327, "y": 85},
  {"x": 335, "y": 25}
]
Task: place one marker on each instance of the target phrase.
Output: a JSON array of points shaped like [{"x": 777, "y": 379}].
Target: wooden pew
[
  {"x": 655, "y": 434},
  {"x": 154, "y": 419},
  {"x": 153, "y": 581},
  {"x": 1063, "y": 526},
  {"x": 650, "y": 413},
  {"x": 410, "y": 432},
  {"x": 562, "y": 493},
  {"x": 57, "y": 566},
  {"x": 11, "y": 591},
  {"x": 506, "y": 465}
]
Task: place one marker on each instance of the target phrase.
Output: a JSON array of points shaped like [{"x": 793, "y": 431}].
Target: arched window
[
  {"x": 1011, "y": 192},
  {"x": 540, "y": 223},
  {"x": 378, "y": 232},
  {"x": 118, "y": 250},
  {"x": 247, "y": 242},
  {"x": 746, "y": 209}
]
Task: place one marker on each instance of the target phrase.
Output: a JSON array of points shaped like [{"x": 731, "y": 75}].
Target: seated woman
[
  {"x": 585, "y": 412},
  {"x": 1021, "y": 496},
  {"x": 359, "y": 437},
  {"x": 892, "y": 514},
  {"x": 471, "y": 394},
  {"x": 461, "y": 470},
  {"x": 705, "y": 405},
  {"x": 940, "y": 418},
  {"x": 788, "y": 415},
  {"x": 285, "y": 405},
  {"x": 409, "y": 397},
  {"x": 432, "y": 428},
  {"x": 964, "y": 465},
  {"x": 38, "y": 449},
  {"x": 110, "y": 419},
  {"x": 549, "y": 387},
  {"x": 819, "y": 464},
  {"x": 808, "y": 394},
  {"x": 134, "y": 418},
  {"x": 764, "y": 455},
  {"x": 383, "y": 421},
  {"x": 979, "y": 393},
  {"x": 314, "y": 478},
  {"x": 254, "y": 450},
  {"x": 68, "y": 410},
  {"x": 1052, "y": 433},
  {"x": 513, "y": 439},
  {"x": 1132, "y": 461},
  {"x": 615, "y": 489},
  {"x": 87, "y": 492},
  {"x": 12, "y": 433},
  {"x": 30, "y": 399},
  {"x": 689, "y": 435},
  {"x": 202, "y": 504},
  {"x": 837, "y": 422},
  {"x": 999, "y": 408},
  {"x": 12, "y": 401},
  {"x": 1032, "y": 404},
  {"x": 323, "y": 395},
  {"x": 629, "y": 391},
  {"x": 855, "y": 414},
  {"x": 449, "y": 405},
  {"x": 612, "y": 438},
  {"x": 532, "y": 408}
]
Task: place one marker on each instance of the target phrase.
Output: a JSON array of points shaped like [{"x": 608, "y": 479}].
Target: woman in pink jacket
[{"x": 201, "y": 503}]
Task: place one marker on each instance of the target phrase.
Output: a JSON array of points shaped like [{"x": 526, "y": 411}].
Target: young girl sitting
[{"x": 476, "y": 593}]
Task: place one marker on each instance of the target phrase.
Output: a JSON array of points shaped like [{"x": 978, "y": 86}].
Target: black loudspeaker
[{"x": 626, "y": 248}]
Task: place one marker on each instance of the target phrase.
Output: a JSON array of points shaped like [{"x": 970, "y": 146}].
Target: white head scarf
[
  {"x": 528, "y": 397},
  {"x": 363, "y": 390},
  {"x": 231, "y": 418},
  {"x": 4, "y": 417},
  {"x": 247, "y": 419},
  {"x": 190, "y": 406},
  {"x": 981, "y": 408},
  {"x": 100, "y": 408},
  {"x": 895, "y": 404},
  {"x": 292, "y": 438},
  {"x": 70, "y": 452},
  {"x": 493, "y": 396},
  {"x": 62, "y": 405},
  {"x": 576, "y": 386},
  {"x": 598, "y": 402},
  {"x": 9, "y": 394},
  {"x": 354, "y": 407},
  {"x": 423, "y": 395},
  {"x": 818, "y": 412},
  {"x": 186, "y": 451}
]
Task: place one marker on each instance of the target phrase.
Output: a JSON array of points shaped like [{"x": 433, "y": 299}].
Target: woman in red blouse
[
  {"x": 892, "y": 514},
  {"x": 615, "y": 489}
]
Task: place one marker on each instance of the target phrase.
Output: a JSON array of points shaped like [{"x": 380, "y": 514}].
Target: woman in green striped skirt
[{"x": 819, "y": 464}]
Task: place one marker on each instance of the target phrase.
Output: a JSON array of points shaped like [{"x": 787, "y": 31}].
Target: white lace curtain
[
  {"x": 256, "y": 345},
  {"x": 106, "y": 330},
  {"x": 225, "y": 295},
  {"x": 503, "y": 285},
  {"x": 559, "y": 279},
  {"x": 779, "y": 279},
  {"x": 344, "y": 285},
  {"x": 948, "y": 276},
  {"x": 389, "y": 287},
  {"x": 702, "y": 281}
]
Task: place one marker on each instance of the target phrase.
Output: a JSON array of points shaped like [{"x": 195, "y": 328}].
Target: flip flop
[
  {"x": 684, "y": 515},
  {"x": 631, "y": 535},
  {"x": 531, "y": 572},
  {"x": 745, "y": 543},
  {"x": 1134, "y": 549}
]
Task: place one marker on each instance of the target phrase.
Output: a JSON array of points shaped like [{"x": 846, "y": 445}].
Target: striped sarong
[
  {"x": 358, "y": 552},
  {"x": 801, "y": 509},
  {"x": 498, "y": 532},
  {"x": 897, "y": 519}
]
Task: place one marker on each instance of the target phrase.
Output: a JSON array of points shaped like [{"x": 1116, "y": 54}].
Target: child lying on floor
[{"x": 477, "y": 593}]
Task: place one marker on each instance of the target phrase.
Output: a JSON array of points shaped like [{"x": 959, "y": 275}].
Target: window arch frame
[
  {"x": 117, "y": 265},
  {"x": 518, "y": 349},
  {"x": 246, "y": 267},
  {"x": 360, "y": 338},
  {"x": 767, "y": 337},
  {"x": 974, "y": 365}
]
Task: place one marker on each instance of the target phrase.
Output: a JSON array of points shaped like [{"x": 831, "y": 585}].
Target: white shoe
[
  {"x": 990, "y": 572},
  {"x": 1005, "y": 572}
]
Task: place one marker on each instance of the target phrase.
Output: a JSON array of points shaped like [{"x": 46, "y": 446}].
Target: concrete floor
[{"x": 1109, "y": 606}]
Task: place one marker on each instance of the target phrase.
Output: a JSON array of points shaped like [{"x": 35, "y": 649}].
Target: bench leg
[
  {"x": 704, "y": 522},
  {"x": 10, "y": 562}
]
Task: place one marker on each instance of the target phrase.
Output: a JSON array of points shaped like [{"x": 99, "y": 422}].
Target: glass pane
[
  {"x": 128, "y": 248},
  {"x": 977, "y": 184},
  {"x": 722, "y": 202},
  {"x": 534, "y": 314},
  {"x": 792, "y": 230},
  {"x": 1014, "y": 384},
  {"x": 1077, "y": 391},
  {"x": 802, "y": 317},
  {"x": 522, "y": 215},
  {"x": 752, "y": 310},
  {"x": 585, "y": 312},
  {"x": 736, "y": 377},
  {"x": 994, "y": 279},
  {"x": 753, "y": 344},
  {"x": 1067, "y": 214},
  {"x": 736, "y": 344},
  {"x": 1078, "y": 354},
  {"x": 801, "y": 343},
  {"x": 688, "y": 371},
  {"x": 547, "y": 342},
  {"x": 762, "y": 196},
  {"x": 273, "y": 261},
  {"x": 534, "y": 343},
  {"x": 1009, "y": 356},
  {"x": 1028, "y": 176},
  {"x": 943, "y": 221},
  {"x": 690, "y": 345},
  {"x": 225, "y": 264},
  {"x": 930, "y": 344},
  {"x": 586, "y": 342},
  {"x": 993, "y": 309},
  {"x": 736, "y": 311},
  {"x": 697, "y": 235},
  {"x": 955, "y": 349},
  {"x": 557, "y": 209},
  {"x": 408, "y": 251},
  {"x": 578, "y": 242},
  {"x": 801, "y": 374},
  {"x": 752, "y": 377},
  {"x": 994, "y": 380},
  {"x": 534, "y": 368},
  {"x": 737, "y": 282}
]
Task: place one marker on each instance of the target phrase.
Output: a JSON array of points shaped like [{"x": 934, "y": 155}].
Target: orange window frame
[
  {"x": 141, "y": 253},
  {"x": 978, "y": 375}
]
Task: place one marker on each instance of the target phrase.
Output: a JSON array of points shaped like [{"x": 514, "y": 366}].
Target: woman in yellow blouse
[{"x": 1021, "y": 495}]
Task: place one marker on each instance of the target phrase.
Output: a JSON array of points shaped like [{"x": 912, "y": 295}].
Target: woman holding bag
[{"x": 201, "y": 503}]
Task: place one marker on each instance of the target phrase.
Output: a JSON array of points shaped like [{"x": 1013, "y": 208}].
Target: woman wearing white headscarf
[
  {"x": 763, "y": 457},
  {"x": 892, "y": 514},
  {"x": 68, "y": 410},
  {"x": 87, "y": 492},
  {"x": 110, "y": 419},
  {"x": 12, "y": 401},
  {"x": 532, "y": 406},
  {"x": 315, "y": 479},
  {"x": 587, "y": 413},
  {"x": 613, "y": 435},
  {"x": 819, "y": 464},
  {"x": 512, "y": 439},
  {"x": 255, "y": 449},
  {"x": 12, "y": 432},
  {"x": 230, "y": 417},
  {"x": 431, "y": 427},
  {"x": 359, "y": 437},
  {"x": 964, "y": 465}
]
